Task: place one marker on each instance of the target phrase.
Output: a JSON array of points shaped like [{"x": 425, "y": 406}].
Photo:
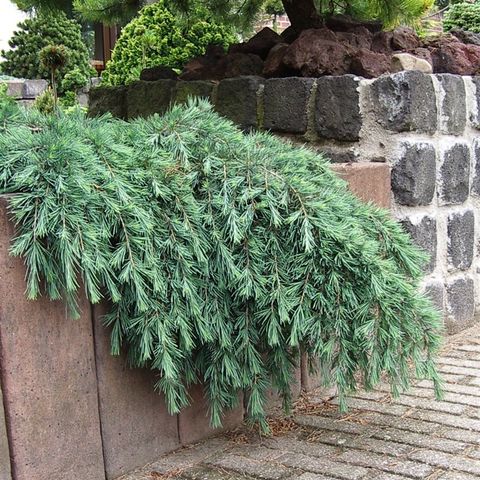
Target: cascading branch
[{"x": 221, "y": 254}]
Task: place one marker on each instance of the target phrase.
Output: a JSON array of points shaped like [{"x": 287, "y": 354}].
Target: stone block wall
[
  {"x": 426, "y": 128},
  {"x": 25, "y": 91}
]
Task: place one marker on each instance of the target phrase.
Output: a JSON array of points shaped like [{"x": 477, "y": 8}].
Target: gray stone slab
[
  {"x": 453, "y": 104},
  {"x": 147, "y": 98},
  {"x": 460, "y": 305},
  {"x": 193, "y": 89},
  {"x": 444, "y": 460},
  {"x": 424, "y": 235},
  {"x": 102, "y": 100}
]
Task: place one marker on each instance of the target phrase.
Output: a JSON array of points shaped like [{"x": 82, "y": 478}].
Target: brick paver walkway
[{"x": 414, "y": 437}]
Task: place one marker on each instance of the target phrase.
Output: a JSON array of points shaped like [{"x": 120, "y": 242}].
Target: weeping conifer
[{"x": 221, "y": 254}]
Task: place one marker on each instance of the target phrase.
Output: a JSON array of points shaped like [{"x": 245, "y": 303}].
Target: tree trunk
[{"x": 302, "y": 14}]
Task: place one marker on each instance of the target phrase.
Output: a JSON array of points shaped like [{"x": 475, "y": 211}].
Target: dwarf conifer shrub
[
  {"x": 43, "y": 30},
  {"x": 160, "y": 35},
  {"x": 221, "y": 254},
  {"x": 465, "y": 16}
]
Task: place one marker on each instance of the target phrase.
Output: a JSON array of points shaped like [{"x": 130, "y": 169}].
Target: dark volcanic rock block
[
  {"x": 405, "y": 101},
  {"x": 414, "y": 174},
  {"x": 455, "y": 173},
  {"x": 146, "y": 98},
  {"x": 461, "y": 230},
  {"x": 237, "y": 100},
  {"x": 286, "y": 104},
  {"x": 424, "y": 235},
  {"x": 453, "y": 108},
  {"x": 107, "y": 100},
  {"x": 194, "y": 89},
  {"x": 337, "y": 108},
  {"x": 460, "y": 304}
]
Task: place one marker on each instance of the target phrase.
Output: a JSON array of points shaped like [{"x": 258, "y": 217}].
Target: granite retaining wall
[{"x": 425, "y": 128}]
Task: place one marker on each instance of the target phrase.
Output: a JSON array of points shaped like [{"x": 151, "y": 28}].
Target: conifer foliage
[{"x": 221, "y": 254}]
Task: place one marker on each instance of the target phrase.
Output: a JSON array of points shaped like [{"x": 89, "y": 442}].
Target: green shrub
[
  {"x": 221, "y": 254},
  {"x": 463, "y": 15},
  {"x": 161, "y": 36},
  {"x": 23, "y": 60}
]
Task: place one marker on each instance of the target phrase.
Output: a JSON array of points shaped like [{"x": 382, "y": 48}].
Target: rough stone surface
[
  {"x": 146, "y": 98},
  {"x": 193, "y": 89},
  {"x": 368, "y": 181},
  {"x": 405, "y": 102},
  {"x": 453, "y": 107},
  {"x": 337, "y": 109},
  {"x": 406, "y": 61},
  {"x": 14, "y": 88},
  {"x": 160, "y": 72},
  {"x": 456, "y": 57},
  {"x": 260, "y": 44},
  {"x": 237, "y": 100},
  {"x": 5, "y": 471},
  {"x": 317, "y": 52},
  {"x": 369, "y": 64},
  {"x": 285, "y": 104},
  {"x": 476, "y": 82},
  {"x": 405, "y": 38},
  {"x": 274, "y": 66},
  {"x": 465, "y": 36},
  {"x": 476, "y": 173},
  {"x": 136, "y": 427},
  {"x": 461, "y": 239},
  {"x": 460, "y": 305},
  {"x": 414, "y": 174},
  {"x": 50, "y": 399},
  {"x": 33, "y": 88},
  {"x": 455, "y": 173},
  {"x": 435, "y": 290},
  {"x": 107, "y": 99},
  {"x": 424, "y": 235}
]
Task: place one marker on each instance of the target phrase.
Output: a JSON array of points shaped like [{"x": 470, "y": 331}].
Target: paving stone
[
  {"x": 455, "y": 173},
  {"x": 445, "y": 460},
  {"x": 414, "y": 174},
  {"x": 237, "y": 100},
  {"x": 457, "y": 370},
  {"x": 424, "y": 234},
  {"x": 208, "y": 473},
  {"x": 453, "y": 105},
  {"x": 337, "y": 108},
  {"x": 323, "y": 466},
  {"x": 389, "y": 464},
  {"x": 467, "y": 390},
  {"x": 286, "y": 104},
  {"x": 405, "y": 101},
  {"x": 457, "y": 476},
  {"x": 313, "y": 476},
  {"x": 461, "y": 239},
  {"x": 287, "y": 444},
  {"x": 258, "y": 469},
  {"x": 459, "y": 362},
  {"x": 460, "y": 307}
]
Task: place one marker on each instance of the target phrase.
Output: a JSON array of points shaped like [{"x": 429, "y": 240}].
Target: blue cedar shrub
[
  {"x": 160, "y": 35},
  {"x": 222, "y": 255}
]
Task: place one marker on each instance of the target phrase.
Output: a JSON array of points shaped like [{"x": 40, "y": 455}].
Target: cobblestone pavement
[{"x": 413, "y": 437}]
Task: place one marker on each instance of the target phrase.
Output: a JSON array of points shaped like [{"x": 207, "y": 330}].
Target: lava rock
[
  {"x": 455, "y": 174},
  {"x": 160, "y": 72},
  {"x": 369, "y": 64},
  {"x": 382, "y": 42},
  {"x": 274, "y": 66},
  {"x": 466, "y": 37},
  {"x": 104, "y": 100},
  {"x": 405, "y": 38},
  {"x": 423, "y": 53},
  {"x": 424, "y": 235},
  {"x": 317, "y": 52},
  {"x": 461, "y": 239},
  {"x": 344, "y": 23},
  {"x": 205, "y": 67},
  {"x": 241, "y": 64},
  {"x": 359, "y": 37},
  {"x": 414, "y": 175},
  {"x": 337, "y": 108},
  {"x": 456, "y": 57},
  {"x": 260, "y": 44}
]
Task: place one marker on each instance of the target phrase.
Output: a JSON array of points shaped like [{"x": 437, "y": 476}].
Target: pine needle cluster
[{"x": 222, "y": 255}]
